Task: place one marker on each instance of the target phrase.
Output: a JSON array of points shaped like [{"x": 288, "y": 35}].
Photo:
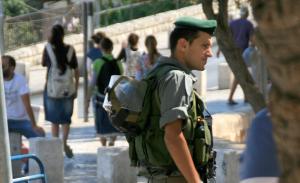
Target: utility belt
[{"x": 148, "y": 171}]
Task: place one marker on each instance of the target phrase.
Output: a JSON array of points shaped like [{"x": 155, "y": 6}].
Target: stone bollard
[
  {"x": 232, "y": 126},
  {"x": 225, "y": 76},
  {"x": 50, "y": 152},
  {"x": 228, "y": 165},
  {"x": 15, "y": 141},
  {"x": 113, "y": 166},
  {"x": 201, "y": 84}
]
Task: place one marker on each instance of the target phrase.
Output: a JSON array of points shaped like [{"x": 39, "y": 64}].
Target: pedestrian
[
  {"x": 190, "y": 44},
  {"x": 103, "y": 69},
  {"x": 61, "y": 84},
  {"x": 130, "y": 55},
  {"x": 95, "y": 52},
  {"x": 256, "y": 62},
  {"x": 20, "y": 116},
  {"x": 259, "y": 162},
  {"x": 147, "y": 60},
  {"x": 242, "y": 30}
]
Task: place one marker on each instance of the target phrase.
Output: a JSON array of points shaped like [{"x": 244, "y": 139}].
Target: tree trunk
[
  {"x": 233, "y": 54},
  {"x": 279, "y": 38}
]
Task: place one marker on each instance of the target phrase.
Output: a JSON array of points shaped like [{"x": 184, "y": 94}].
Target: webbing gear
[{"x": 147, "y": 147}]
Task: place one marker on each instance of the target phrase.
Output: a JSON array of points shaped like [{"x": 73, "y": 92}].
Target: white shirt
[{"x": 14, "y": 89}]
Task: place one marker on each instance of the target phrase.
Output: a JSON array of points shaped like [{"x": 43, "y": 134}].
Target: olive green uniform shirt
[{"x": 175, "y": 92}]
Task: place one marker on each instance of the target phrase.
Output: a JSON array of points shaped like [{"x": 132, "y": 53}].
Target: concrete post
[
  {"x": 88, "y": 32},
  {"x": 15, "y": 141},
  {"x": 23, "y": 68},
  {"x": 5, "y": 164},
  {"x": 87, "y": 24},
  {"x": 228, "y": 166},
  {"x": 225, "y": 76},
  {"x": 201, "y": 84},
  {"x": 113, "y": 166},
  {"x": 97, "y": 17},
  {"x": 50, "y": 152}
]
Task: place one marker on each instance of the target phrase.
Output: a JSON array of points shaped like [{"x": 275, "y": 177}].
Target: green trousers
[{"x": 167, "y": 180}]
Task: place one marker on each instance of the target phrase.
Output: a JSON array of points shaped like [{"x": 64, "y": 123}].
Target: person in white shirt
[{"x": 19, "y": 112}]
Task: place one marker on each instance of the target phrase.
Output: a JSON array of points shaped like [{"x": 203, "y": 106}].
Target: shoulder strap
[
  {"x": 70, "y": 53},
  {"x": 51, "y": 54},
  {"x": 154, "y": 75},
  {"x": 107, "y": 60},
  {"x": 104, "y": 59}
]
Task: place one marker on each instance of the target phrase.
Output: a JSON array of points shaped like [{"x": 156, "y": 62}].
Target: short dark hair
[
  {"x": 107, "y": 44},
  {"x": 133, "y": 39},
  {"x": 188, "y": 34},
  {"x": 98, "y": 37},
  {"x": 11, "y": 60}
]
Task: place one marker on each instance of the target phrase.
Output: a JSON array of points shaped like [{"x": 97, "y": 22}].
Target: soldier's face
[{"x": 197, "y": 52}]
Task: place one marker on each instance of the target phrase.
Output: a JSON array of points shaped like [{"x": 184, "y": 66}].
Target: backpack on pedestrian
[
  {"x": 60, "y": 85},
  {"x": 109, "y": 68},
  {"x": 131, "y": 61},
  {"x": 135, "y": 110}
]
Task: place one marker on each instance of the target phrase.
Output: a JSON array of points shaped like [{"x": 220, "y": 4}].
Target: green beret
[{"x": 207, "y": 26}]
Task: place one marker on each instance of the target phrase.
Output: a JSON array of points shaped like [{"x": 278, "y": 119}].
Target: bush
[{"x": 147, "y": 9}]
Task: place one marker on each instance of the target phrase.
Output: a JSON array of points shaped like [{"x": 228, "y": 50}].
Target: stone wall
[{"x": 161, "y": 22}]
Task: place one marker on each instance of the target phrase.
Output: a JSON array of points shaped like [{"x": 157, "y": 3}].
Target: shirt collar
[{"x": 176, "y": 63}]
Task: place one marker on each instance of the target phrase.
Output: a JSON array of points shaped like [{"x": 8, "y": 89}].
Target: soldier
[{"x": 190, "y": 44}]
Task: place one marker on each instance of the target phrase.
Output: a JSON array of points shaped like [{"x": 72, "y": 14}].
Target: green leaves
[{"x": 15, "y": 8}]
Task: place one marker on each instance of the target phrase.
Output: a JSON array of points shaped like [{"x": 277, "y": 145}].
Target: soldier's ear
[{"x": 182, "y": 44}]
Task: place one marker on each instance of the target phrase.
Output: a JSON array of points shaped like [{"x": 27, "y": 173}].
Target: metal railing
[
  {"x": 40, "y": 176},
  {"x": 35, "y": 27}
]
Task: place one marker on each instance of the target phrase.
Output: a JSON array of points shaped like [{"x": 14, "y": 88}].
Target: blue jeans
[
  {"x": 102, "y": 122},
  {"x": 23, "y": 127}
]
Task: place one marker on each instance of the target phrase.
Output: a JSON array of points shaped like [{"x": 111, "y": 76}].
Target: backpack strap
[
  {"x": 51, "y": 54},
  {"x": 70, "y": 53},
  {"x": 53, "y": 57},
  {"x": 158, "y": 72},
  {"x": 107, "y": 60}
]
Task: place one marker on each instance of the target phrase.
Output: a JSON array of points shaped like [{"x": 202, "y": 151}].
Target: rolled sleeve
[
  {"x": 175, "y": 95},
  {"x": 172, "y": 115}
]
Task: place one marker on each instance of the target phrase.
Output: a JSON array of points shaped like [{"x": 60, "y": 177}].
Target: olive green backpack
[{"x": 141, "y": 126}]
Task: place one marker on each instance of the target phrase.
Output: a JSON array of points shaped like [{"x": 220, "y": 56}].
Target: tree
[
  {"x": 278, "y": 36},
  {"x": 232, "y": 53},
  {"x": 14, "y": 8}
]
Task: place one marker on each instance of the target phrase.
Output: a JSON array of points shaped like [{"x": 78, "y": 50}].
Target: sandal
[
  {"x": 68, "y": 151},
  {"x": 111, "y": 143},
  {"x": 231, "y": 102}
]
